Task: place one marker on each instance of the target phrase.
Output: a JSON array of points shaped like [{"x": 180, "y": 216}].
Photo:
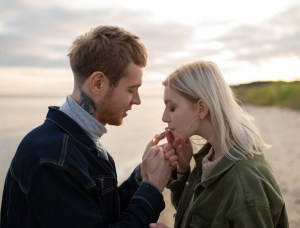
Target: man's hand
[
  {"x": 155, "y": 168},
  {"x": 169, "y": 151}
]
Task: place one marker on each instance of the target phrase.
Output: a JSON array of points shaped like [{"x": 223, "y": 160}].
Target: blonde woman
[{"x": 232, "y": 184}]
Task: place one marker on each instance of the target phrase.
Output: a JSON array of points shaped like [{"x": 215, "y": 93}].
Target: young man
[{"x": 61, "y": 176}]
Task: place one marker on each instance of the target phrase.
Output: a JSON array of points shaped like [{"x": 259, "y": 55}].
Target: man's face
[{"x": 117, "y": 101}]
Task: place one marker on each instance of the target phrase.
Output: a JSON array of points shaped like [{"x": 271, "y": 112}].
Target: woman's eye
[{"x": 172, "y": 109}]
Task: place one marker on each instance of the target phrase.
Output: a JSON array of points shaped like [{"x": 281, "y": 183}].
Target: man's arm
[{"x": 59, "y": 200}]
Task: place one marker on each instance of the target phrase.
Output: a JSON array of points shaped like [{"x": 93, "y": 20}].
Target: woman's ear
[{"x": 202, "y": 109}]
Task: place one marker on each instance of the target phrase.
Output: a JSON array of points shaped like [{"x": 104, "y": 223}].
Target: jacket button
[{"x": 187, "y": 184}]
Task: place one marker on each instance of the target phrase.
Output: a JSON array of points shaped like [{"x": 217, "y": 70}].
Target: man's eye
[
  {"x": 132, "y": 90},
  {"x": 172, "y": 109}
]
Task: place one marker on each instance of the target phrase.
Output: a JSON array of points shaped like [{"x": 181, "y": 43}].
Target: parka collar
[{"x": 223, "y": 165}]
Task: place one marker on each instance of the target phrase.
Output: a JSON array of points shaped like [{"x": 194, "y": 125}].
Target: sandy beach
[{"x": 281, "y": 129}]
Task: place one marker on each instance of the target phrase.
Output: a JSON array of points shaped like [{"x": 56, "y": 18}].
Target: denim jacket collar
[{"x": 71, "y": 127}]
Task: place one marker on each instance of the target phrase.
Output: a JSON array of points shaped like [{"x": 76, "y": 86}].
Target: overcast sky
[{"x": 250, "y": 40}]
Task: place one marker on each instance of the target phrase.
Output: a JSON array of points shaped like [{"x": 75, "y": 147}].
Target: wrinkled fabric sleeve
[
  {"x": 58, "y": 200},
  {"x": 259, "y": 217},
  {"x": 129, "y": 187},
  {"x": 177, "y": 185}
]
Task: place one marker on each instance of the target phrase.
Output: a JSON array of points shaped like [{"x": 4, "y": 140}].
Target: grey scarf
[{"x": 93, "y": 127}]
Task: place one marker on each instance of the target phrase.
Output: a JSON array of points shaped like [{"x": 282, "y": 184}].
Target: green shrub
[{"x": 282, "y": 94}]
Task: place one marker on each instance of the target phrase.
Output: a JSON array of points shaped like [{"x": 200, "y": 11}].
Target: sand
[{"x": 281, "y": 129}]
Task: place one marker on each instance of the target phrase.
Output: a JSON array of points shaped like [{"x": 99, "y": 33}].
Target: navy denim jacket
[{"x": 57, "y": 179}]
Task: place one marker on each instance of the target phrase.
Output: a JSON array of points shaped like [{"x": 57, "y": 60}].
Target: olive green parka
[{"x": 241, "y": 194}]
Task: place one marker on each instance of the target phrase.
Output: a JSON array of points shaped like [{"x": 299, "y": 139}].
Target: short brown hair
[{"x": 107, "y": 49}]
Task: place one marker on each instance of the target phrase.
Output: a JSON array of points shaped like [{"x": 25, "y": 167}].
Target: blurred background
[{"x": 255, "y": 43}]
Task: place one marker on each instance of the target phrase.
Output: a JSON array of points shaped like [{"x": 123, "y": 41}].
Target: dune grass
[{"x": 278, "y": 93}]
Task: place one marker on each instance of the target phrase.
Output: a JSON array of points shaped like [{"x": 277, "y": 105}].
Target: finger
[
  {"x": 169, "y": 153},
  {"x": 159, "y": 154},
  {"x": 173, "y": 159},
  {"x": 174, "y": 164},
  {"x": 177, "y": 141},
  {"x": 178, "y": 149},
  {"x": 152, "y": 153},
  {"x": 167, "y": 147},
  {"x": 170, "y": 137}
]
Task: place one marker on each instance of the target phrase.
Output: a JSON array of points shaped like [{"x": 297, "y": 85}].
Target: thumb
[
  {"x": 153, "y": 151},
  {"x": 152, "y": 225}
]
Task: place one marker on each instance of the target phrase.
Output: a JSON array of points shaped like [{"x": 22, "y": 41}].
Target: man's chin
[{"x": 116, "y": 122}]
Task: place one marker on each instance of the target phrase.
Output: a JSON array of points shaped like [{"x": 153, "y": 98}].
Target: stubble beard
[{"x": 109, "y": 113}]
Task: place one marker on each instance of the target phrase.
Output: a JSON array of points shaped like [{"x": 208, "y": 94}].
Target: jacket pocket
[{"x": 105, "y": 184}]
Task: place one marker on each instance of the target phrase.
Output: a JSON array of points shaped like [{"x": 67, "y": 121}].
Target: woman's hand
[{"x": 183, "y": 150}]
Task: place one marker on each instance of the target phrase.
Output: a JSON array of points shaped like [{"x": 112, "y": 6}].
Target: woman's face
[{"x": 180, "y": 114}]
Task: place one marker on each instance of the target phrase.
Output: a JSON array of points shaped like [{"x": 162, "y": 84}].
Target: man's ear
[
  {"x": 202, "y": 109},
  {"x": 97, "y": 82}
]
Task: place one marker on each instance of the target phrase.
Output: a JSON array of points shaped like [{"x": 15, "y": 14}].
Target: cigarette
[
  {"x": 157, "y": 136},
  {"x": 162, "y": 133}
]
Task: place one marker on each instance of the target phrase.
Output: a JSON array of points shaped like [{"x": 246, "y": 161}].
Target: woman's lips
[{"x": 169, "y": 128}]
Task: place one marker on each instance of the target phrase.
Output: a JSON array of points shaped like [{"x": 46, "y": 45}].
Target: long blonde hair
[{"x": 233, "y": 127}]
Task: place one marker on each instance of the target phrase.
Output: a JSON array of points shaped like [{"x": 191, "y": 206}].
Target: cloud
[
  {"x": 276, "y": 38},
  {"x": 39, "y": 35}
]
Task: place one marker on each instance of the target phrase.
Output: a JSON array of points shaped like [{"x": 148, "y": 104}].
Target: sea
[{"x": 126, "y": 143}]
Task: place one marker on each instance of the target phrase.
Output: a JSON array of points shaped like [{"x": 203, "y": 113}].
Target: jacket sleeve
[
  {"x": 58, "y": 200},
  {"x": 129, "y": 187},
  {"x": 177, "y": 185}
]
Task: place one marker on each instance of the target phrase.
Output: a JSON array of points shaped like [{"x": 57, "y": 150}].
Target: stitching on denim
[
  {"x": 106, "y": 184},
  {"x": 68, "y": 132},
  {"x": 72, "y": 172},
  {"x": 22, "y": 187},
  {"x": 63, "y": 151}
]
